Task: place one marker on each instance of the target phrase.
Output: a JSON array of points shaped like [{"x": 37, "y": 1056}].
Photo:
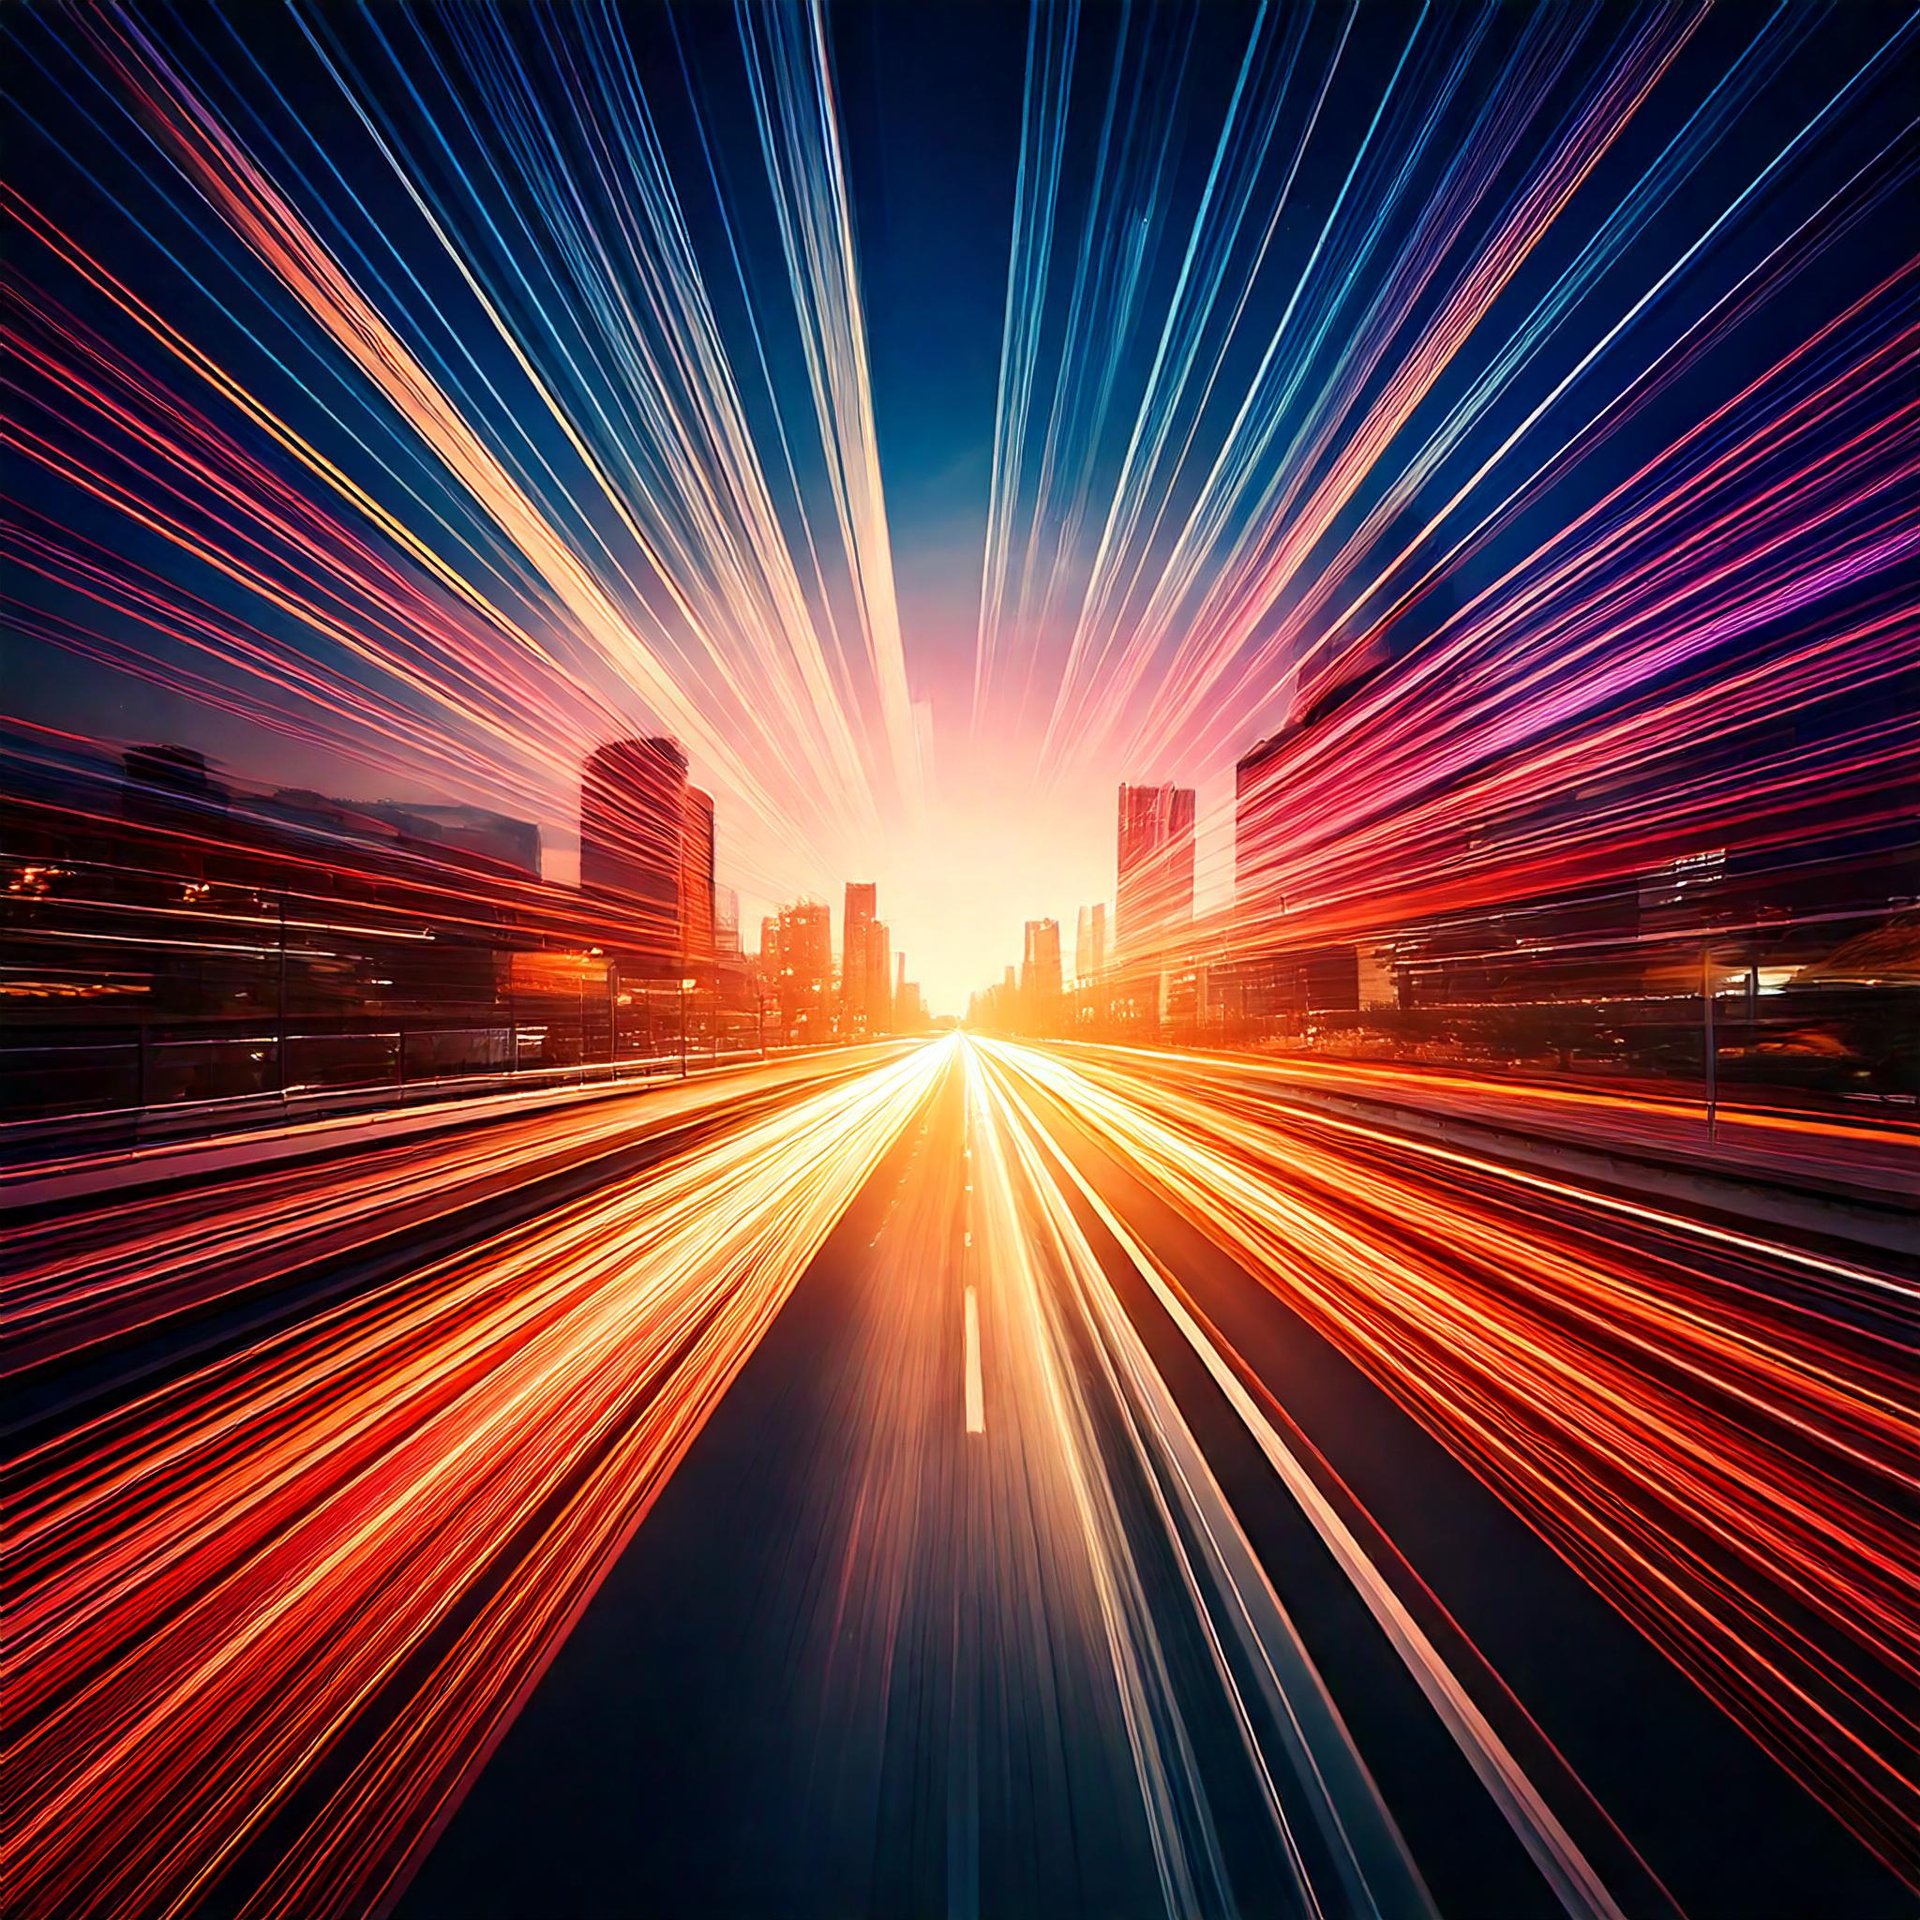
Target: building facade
[
  {"x": 697, "y": 889},
  {"x": 633, "y": 810},
  {"x": 856, "y": 954},
  {"x": 1153, "y": 903}
]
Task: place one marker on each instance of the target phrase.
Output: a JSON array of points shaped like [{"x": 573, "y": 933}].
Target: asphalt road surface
[{"x": 973, "y": 1480}]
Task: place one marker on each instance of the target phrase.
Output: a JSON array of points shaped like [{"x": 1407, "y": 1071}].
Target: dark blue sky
[{"x": 930, "y": 103}]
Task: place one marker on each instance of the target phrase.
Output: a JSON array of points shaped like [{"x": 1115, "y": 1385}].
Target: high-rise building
[
  {"x": 1090, "y": 943},
  {"x": 1276, "y": 979},
  {"x": 1040, "y": 982},
  {"x": 726, "y": 923},
  {"x": 879, "y": 972},
  {"x": 1154, "y": 899},
  {"x": 633, "y": 806},
  {"x": 696, "y": 880},
  {"x": 805, "y": 980},
  {"x": 856, "y": 947},
  {"x": 1257, "y": 836}
]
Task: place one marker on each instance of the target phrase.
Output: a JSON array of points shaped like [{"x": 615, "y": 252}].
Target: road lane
[
  {"x": 948, "y": 1670},
  {"x": 267, "y": 1613},
  {"x": 885, "y": 1697},
  {"x": 1805, "y": 1362},
  {"x": 1066, "y": 1489}
]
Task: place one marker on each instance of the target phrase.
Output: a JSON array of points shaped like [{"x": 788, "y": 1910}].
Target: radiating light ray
[
  {"x": 1460, "y": 393},
  {"x": 1722, "y": 1464},
  {"x": 798, "y": 119},
  {"x": 657, "y": 357},
  {"x": 1348, "y": 461},
  {"x": 1572, "y": 1877},
  {"x": 719, "y": 549},
  {"x": 1351, "y": 1857},
  {"x": 448, "y": 1461}
]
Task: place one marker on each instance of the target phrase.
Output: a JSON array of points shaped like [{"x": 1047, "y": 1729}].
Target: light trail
[
  {"x": 380, "y": 1502},
  {"x": 1574, "y": 1880},
  {"x": 1342, "y": 1849},
  {"x": 169, "y": 1254},
  {"x": 1510, "y": 411},
  {"x": 381, "y": 1518},
  {"x": 1717, "y": 1447},
  {"x": 976, "y": 1392}
]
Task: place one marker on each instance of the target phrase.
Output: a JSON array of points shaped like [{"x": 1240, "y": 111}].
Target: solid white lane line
[{"x": 976, "y": 1393}]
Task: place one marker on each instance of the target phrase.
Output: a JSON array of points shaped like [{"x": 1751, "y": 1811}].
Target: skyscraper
[
  {"x": 1040, "y": 983},
  {"x": 696, "y": 879},
  {"x": 1090, "y": 942},
  {"x": 1276, "y": 979},
  {"x": 1154, "y": 899},
  {"x": 805, "y": 981},
  {"x": 879, "y": 979},
  {"x": 726, "y": 923},
  {"x": 633, "y": 803},
  {"x": 856, "y": 952}
]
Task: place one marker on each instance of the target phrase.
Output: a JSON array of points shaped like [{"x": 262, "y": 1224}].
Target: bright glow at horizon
[{"x": 431, "y": 455}]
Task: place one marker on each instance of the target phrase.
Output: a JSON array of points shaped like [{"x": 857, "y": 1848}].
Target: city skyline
[
  {"x": 902, "y": 640},
  {"x": 960, "y": 958}
]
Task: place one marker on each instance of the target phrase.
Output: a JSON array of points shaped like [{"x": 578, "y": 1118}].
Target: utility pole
[
  {"x": 280, "y": 1040},
  {"x": 613, "y": 1017},
  {"x": 1711, "y": 1045}
]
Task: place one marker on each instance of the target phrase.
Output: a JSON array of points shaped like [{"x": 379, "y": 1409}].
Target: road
[{"x": 971, "y": 1479}]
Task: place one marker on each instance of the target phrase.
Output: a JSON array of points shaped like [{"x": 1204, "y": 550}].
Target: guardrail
[{"x": 145, "y": 1092}]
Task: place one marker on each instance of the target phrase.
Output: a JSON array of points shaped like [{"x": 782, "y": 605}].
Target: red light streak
[
  {"x": 394, "y": 1507},
  {"x": 1719, "y": 1453}
]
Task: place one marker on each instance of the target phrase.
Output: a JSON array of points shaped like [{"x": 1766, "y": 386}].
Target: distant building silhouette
[
  {"x": 1040, "y": 983},
  {"x": 804, "y": 982},
  {"x": 697, "y": 881},
  {"x": 879, "y": 979},
  {"x": 1154, "y": 898},
  {"x": 633, "y": 809},
  {"x": 179, "y": 771},
  {"x": 856, "y": 955},
  {"x": 1090, "y": 942},
  {"x": 494, "y": 836}
]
